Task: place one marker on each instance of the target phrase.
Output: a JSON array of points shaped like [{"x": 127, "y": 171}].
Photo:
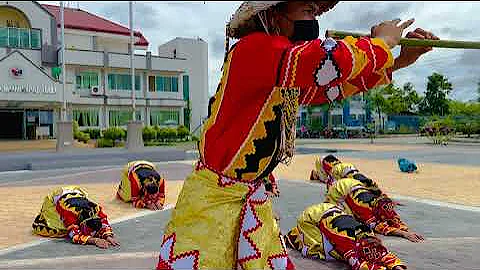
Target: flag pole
[
  {"x": 132, "y": 68},
  {"x": 62, "y": 52}
]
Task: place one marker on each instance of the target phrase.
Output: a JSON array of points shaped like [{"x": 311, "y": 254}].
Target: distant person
[
  {"x": 142, "y": 185},
  {"x": 68, "y": 212},
  {"x": 326, "y": 232}
]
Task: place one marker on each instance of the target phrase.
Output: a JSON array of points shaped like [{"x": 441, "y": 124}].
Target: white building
[{"x": 98, "y": 86}]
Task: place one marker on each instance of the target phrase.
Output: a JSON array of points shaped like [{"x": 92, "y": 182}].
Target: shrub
[
  {"x": 102, "y": 142},
  {"x": 114, "y": 133},
  {"x": 94, "y": 133},
  {"x": 182, "y": 132},
  {"x": 75, "y": 127},
  {"x": 403, "y": 129},
  {"x": 195, "y": 138},
  {"x": 171, "y": 134},
  {"x": 162, "y": 134},
  {"x": 149, "y": 134},
  {"x": 440, "y": 131},
  {"x": 82, "y": 136}
]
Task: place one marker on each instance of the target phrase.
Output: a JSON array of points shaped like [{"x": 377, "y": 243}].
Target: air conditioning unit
[{"x": 95, "y": 91}]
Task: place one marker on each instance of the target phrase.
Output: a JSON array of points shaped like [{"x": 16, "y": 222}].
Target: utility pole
[
  {"x": 64, "y": 132},
  {"x": 132, "y": 68},
  {"x": 62, "y": 52},
  {"x": 134, "y": 130}
]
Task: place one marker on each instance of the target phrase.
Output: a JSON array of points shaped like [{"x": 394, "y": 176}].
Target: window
[
  {"x": 151, "y": 83},
  {"x": 86, "y": 80},
  {"x": 121, "y": 117},
  {"x": 20, "y": 38},
  {"x": 35, "y": 38},
  {"x": 165, "y": 117},
  {"x": 86, "y": 117},
  {"x": 3, "y": 37},
  {"x": 13, "y": 37},
  {"x": 337, "y": 120},
  {"x": 166, "y": 84},
  {"x": 46, "y": 117},
  {"x": 122, "y": 82},
  {"x": 24, "y": 38},
  {"x": 361, "y": 118},
  {"x": 186, "y": 87}
]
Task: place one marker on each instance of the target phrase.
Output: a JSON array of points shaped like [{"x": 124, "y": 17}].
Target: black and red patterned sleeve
[{"x": 335, "y": 69}]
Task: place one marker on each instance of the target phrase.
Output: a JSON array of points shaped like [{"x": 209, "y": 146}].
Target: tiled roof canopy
[{"x": 83, "y": 20}]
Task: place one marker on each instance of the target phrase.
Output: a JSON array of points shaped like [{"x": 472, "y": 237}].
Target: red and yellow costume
[
  {"x": 334, "y": 170},
  {"x": 62, "y": 213},
  {"x": 135, "y": 176},
  {"x": 325, "y": 232},
  {"x": 369, "y": 207},
  {"x": 223, "y": 217}
]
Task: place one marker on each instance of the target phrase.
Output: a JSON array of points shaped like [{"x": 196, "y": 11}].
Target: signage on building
[{"x": 28, "y": 89}]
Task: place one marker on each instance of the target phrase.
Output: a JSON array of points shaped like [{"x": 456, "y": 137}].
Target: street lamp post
[
  {"x": 134, "y": 130},
  {"x": 64, "y": 127}
]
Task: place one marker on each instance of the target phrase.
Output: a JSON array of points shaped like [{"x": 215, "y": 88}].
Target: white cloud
[{"x": 162, "y": 21}]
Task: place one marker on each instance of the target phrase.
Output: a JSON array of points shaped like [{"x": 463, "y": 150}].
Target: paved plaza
[{"x": 451, "y": 230}]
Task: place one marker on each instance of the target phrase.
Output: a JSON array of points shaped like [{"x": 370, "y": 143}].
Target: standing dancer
[{"x": 223, "y": 218}]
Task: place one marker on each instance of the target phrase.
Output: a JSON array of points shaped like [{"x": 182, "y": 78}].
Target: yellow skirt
[
  {"x": 48, "y": 222},
  {"x": 219, "y": 223}
]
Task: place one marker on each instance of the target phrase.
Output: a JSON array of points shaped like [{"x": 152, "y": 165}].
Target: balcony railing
[{"x": 23, "y": 38}]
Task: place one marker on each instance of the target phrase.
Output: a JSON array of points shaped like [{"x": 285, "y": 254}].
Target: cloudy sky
[{"x": 162, "y": 21}]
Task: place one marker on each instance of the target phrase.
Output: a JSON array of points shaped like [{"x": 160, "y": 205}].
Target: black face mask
[
  {"x": 151, "y": 189},
  {"x": 305, "y": 30}
]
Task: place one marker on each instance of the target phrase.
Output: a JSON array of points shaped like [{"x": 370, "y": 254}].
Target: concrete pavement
[{"x": 452, "y": 238}]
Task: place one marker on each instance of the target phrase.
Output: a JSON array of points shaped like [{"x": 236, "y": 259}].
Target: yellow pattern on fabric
[
  {"x": 390, "y": 59},
  {"x": 48, "y": 221},
  {"x": 339, "y": 190},
  {"x": 266, "y": 238},
  {"x": 309, "y": 234},
  {"x": 258, "y": 131},
  {"x": 294, "y": 66},
  {"x": 360, "y": 58},
  {"x": 215, "y": 107},
  {"x": 340, "y": 170},
  {"x": 349, "y": 90},
  {"x": 207, "y": 218}
]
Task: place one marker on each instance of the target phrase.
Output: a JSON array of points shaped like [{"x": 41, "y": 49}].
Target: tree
[
  {"x": 376, "y": 97},
  {"x": 478, "y": 91},
  {"x": 411, "y": 98},
  {"x": 435, "y": 101}
]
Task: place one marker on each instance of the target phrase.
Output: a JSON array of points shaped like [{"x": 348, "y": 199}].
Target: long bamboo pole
[{"x": 414, "y": 42}]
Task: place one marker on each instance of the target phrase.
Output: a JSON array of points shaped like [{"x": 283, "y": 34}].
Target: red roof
[{"x": 83, "y": 20}]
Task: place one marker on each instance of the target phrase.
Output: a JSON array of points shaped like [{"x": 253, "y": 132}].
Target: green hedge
[
  {"x": 81, "y": 136},
  {"x": 94, "y": 133},
  {"x": 102, "y": 143}
]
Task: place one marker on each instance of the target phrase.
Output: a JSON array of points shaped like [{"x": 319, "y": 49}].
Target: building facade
[
  {"x": 171, "y": 88},
  {"x": 353, "y": 113}
]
